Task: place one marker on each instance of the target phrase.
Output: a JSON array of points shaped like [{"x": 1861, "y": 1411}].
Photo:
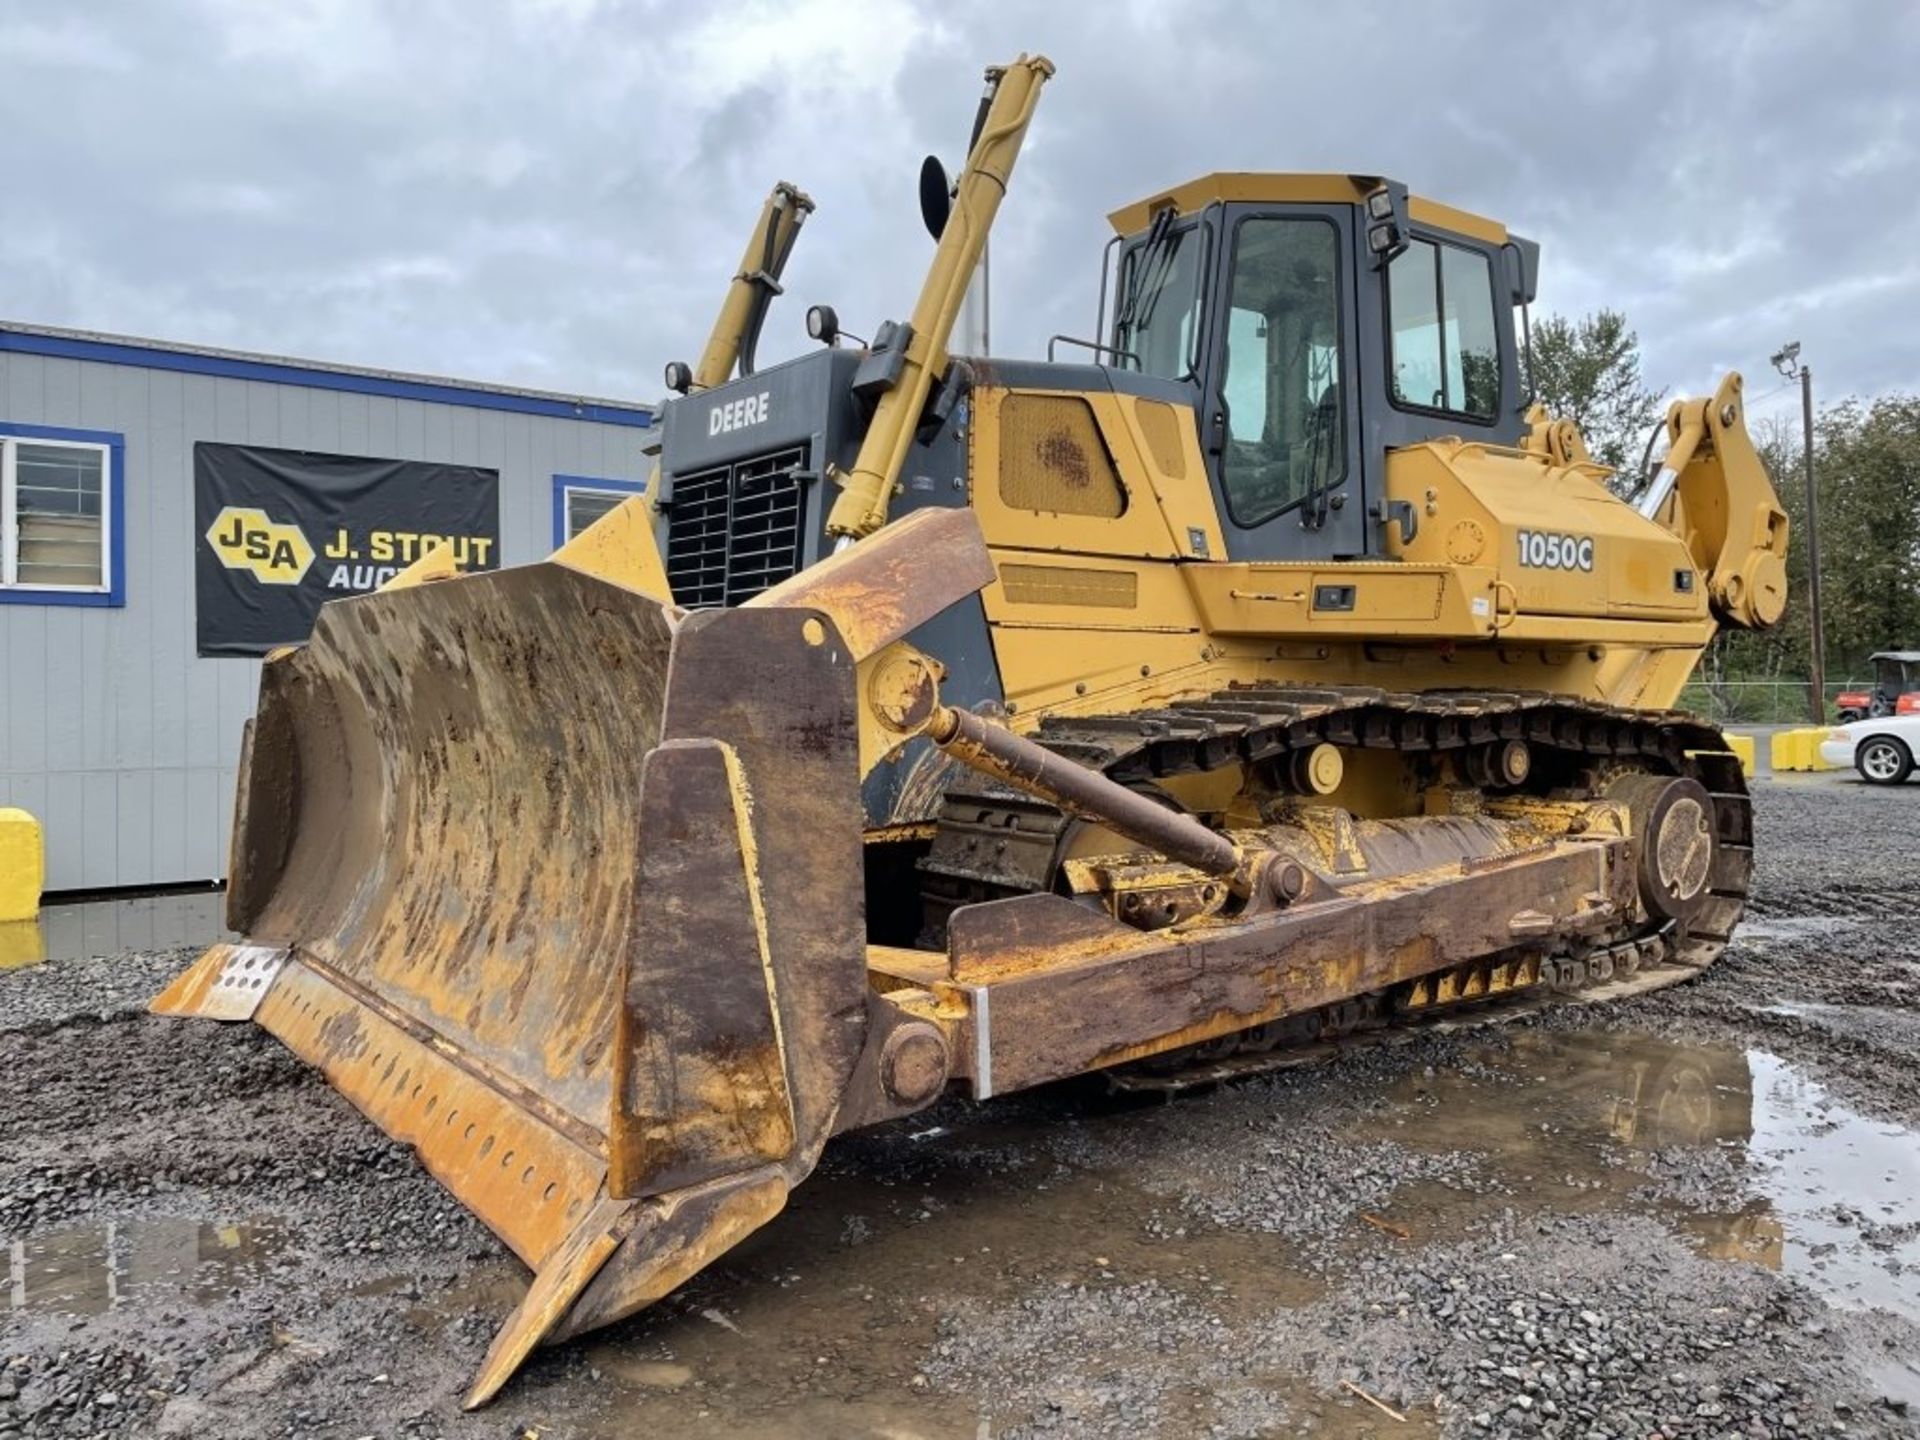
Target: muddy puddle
[
  {"x": 84, "y": 929},
  {"x": 91, "y": 1269},
  {"x": 1744, "y": 1153},
  {"x": 818, "y": 1325}
]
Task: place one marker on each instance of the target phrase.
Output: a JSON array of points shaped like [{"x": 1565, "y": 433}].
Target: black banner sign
[{"x": 281, "y": 532}]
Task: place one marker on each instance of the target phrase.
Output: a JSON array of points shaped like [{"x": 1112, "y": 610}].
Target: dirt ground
[{"x": 1696, "y": 1214}]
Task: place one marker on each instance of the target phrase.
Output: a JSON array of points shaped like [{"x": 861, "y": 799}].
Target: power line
[{"x": 1769, "y": 394}]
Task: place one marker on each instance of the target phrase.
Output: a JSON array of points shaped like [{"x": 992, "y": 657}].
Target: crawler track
[{"x": 992, "y": 842}]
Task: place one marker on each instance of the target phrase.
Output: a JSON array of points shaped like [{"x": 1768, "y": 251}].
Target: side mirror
[
  {"x": 1523, "y": 268},
  {"x": 936, "y": 196}
]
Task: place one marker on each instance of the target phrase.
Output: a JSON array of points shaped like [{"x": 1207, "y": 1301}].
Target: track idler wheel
[
  {"x": 1674, "y": 840},
  {"x": 1502, "y": 765}
]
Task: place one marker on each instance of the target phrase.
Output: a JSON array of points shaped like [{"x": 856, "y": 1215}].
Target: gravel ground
[{"x": 1692, "y": 1215}]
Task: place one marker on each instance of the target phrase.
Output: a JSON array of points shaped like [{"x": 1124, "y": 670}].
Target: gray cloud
[{"x": 552, "y": 192}]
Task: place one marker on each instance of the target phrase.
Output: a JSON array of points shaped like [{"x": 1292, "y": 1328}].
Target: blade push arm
[{"x": 878, "y": 593}]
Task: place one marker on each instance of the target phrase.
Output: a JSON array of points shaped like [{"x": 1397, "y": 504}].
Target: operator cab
[{"x": 1320, "y": 321}]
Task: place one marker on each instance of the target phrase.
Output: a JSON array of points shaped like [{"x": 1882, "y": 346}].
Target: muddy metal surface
[{"x": 1694, "y": 1215}]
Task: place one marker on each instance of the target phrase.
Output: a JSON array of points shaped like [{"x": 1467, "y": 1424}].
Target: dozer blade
[{"x": 562, "y": 888}]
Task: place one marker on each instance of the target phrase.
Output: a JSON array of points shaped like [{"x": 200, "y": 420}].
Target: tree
[
  {"x": 1866, "y": 462},
  {"x": 1784, "y": 653},
  {"x": 1588, "y": 371}
]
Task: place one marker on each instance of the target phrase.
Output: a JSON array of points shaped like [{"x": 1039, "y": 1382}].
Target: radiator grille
[
  {"x": 1066, "y": 585},
  {"x": 1053, "y": 458},
  {"x": 1160, "y": 427},
  {"x": 734, "y": 530}
]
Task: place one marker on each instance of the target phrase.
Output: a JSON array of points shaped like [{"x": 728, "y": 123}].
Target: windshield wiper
[
  {"x": 1315, "y": 504},
  {"x": 1150, "y": 274}
]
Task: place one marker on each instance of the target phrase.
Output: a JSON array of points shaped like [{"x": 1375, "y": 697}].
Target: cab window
[
  {"x": 1280, "y": 381},
  {"x": 1445, "y": 352},
  {"x": 1159, "y": 302}
]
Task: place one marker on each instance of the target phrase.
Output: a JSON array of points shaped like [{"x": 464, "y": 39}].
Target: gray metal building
[{"x": 114, "y": 730}]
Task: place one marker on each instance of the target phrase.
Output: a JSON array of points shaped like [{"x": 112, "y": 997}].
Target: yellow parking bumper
[{"x": 23, "y": 865}]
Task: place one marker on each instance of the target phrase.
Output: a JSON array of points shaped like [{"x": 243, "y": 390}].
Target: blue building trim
[
  {"x": 112, "y": 352},
  {"x": 563, "y": 483},
  {"x": 115, "y": 596}
]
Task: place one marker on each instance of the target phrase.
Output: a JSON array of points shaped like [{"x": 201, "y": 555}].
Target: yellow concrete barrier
[
  {"x": 1742, "y": 746},
  {"x": 23, "y": 865},
  {"x": 1797, "y": 749},
  {"x": 21, "y": 944},
  {"x": 1780, "y": 751}
]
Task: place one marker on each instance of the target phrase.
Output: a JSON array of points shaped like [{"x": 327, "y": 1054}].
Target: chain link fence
[{"x": 1761, "y": 702}]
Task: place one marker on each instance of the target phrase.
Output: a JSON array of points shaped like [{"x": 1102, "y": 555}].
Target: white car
[{"x": 1882, "y": 749}]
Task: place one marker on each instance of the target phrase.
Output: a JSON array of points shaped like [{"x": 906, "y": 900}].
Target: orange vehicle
[{"x": 1896, "y": 688}]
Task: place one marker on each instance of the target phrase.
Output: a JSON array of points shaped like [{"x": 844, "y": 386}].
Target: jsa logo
[
  {"x": 738, "y": 414},
  {"x": 246, "y": 539}
]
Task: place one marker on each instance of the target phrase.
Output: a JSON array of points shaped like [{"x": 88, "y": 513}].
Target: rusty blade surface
[
  {"x": 440, "y": 819},
  {"x": 892, "y": 582},
  {"x": 528, "y": 1179},
  {"x": 228, "y": 983},
  {"x": 777, "y": 687},
  {"x": 562, "y": 888},
  {"x": 467, "y": 759},
  {"x": 700, "y": 1072}
]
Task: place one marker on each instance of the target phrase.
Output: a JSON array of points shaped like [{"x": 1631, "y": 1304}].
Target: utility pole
[{"x": 1787, "y": 362}]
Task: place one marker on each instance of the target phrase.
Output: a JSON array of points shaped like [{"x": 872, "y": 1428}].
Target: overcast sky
[{"x": 554, "y": 192}]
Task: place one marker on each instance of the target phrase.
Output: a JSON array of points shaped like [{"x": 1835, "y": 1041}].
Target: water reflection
[
  {"x": 1847, "y": 1187},
  {"x": 1810, "y": 1186},
  {"x": 90, "y": 1269},
  {"x": 88, "y": 928}
]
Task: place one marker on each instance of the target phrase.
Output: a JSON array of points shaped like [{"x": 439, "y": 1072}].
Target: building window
[
  {"x": 60, "y": 516},
  {"x": 579, "y": 500},
  {"x": 1445, "y": 355}
]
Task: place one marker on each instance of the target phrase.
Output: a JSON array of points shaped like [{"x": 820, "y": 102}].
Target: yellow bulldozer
[{"x": 939, "y": 723}]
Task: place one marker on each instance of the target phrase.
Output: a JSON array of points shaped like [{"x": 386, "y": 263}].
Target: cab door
[{"x": 1280, "y": 418}]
